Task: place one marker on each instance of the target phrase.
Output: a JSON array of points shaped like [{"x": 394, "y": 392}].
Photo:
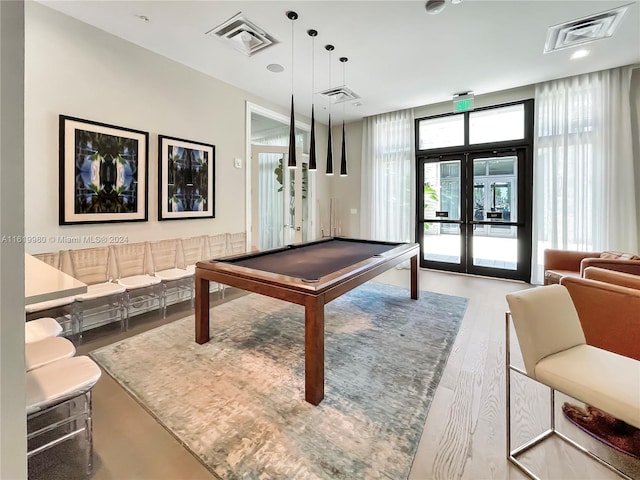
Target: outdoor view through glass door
[
  {"x": 281, "y": 198},
  {"x": 471, "y": 213}
]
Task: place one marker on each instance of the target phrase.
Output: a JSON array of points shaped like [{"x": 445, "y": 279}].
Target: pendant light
[
  {"x": 312, "y": 142},
  {"x": 329, "y": 48},
  {"x": 343, "y": 156},
  {"x": 292, "y": 122}
]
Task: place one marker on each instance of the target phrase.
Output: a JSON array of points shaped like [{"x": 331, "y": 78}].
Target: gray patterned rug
[{"x": 237, "y": 403}]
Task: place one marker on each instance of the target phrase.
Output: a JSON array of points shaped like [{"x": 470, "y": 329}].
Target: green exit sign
[
  {"x": 463, "y": 102},
  {"x": 463, "y": 105}
]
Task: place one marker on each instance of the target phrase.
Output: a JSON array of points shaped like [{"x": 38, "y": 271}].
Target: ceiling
[{"x": 399, "y": 56}]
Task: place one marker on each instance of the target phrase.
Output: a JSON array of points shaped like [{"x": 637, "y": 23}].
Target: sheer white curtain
[
  {"x": 271, "y": 200},
  {"x": 584, "y": 188},
  {"x": 387, "y": 199}
]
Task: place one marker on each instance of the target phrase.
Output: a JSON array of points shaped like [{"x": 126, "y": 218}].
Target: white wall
[
  {"x": 486, "y": 100},
  {"x": 77, "y": 70},
  {"x": 13, "y": 438}
]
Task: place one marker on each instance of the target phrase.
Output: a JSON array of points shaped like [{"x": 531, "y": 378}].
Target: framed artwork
[
  {"x": 186, "y": 179},
  {"x": 103, "y": 172}
]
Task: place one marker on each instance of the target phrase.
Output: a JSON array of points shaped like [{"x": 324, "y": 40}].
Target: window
[
  {"x": 497, "y": 124},
  {"x": 441, "y": 132},
  {"x": 478, "y": 128}
]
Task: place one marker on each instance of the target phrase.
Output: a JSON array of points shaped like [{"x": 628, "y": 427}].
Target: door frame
[
  {"x": 250, "y": 108},
  {"x": 466, "y": 222},
  {"x": 525, "y": 193}
]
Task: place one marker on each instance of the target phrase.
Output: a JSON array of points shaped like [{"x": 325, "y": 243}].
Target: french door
[
  {"x": 474, "y": 212},
  {"x": 281, "y": 198}
]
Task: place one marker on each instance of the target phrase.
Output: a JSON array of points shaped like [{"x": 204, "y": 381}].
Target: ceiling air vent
[
  {"x": 243, "y": 35},
  {"x": 583, "y": 30},
  {"x": 339, "y": 94}
]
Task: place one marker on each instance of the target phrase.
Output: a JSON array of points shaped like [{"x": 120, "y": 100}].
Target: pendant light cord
[
  {"x": 329, "y": 48},
  {"x": 292, "y": 123},
  {"x": 313, "y": 166},
  {"x": 292, "y": 58}
]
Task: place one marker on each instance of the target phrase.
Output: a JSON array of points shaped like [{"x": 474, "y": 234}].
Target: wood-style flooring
[{"x": 463, "y": 437}]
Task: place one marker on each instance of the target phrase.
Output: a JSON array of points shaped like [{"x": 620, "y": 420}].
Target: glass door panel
[
  {"x": 442, "y": 211},
  {"x": 439, "y": 246},
  {"x": 442, "y": 190},
  {"x": 493, "y": 251},
  {"x": 493, "y": 242}
]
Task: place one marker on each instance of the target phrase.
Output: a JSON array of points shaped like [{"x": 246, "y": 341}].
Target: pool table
[{"x": 309, "y": 274}]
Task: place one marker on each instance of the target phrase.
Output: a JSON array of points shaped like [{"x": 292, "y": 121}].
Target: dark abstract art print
[
  {"x": 103, "y": 172},
  {"x": 186, "y": 179}
]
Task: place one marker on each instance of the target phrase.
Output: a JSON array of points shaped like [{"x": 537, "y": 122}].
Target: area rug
[
  {"x": 237, "y": 402},
  {"x": 609, "y": 430}
]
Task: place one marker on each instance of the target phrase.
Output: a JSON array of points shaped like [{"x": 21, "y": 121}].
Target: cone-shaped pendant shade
[
  {"x": 329, "y": 151},
  {"x": 312, "y": 145},
  {"x": 343, "y": 157},
  {"x": 292, "y": 139}
]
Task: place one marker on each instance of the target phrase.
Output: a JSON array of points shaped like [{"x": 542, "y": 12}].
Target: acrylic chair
[
  {"x": 555, "y": 354},
  {"x": 58, "y": 405},
  {"x": 133, "y": 267},
  {"x": 193, "y": 250},
  {"x": 61, "y": 308},
  {"x": 217, "y": 247},
  {"x": 176, "y": 280},
  {"x": 104, "y": 298},
  {"x": 236, "y": 243}
]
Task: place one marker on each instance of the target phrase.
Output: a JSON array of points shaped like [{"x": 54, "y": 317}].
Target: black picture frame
[
  {"x": 103, "y": 172},
  {"x": 186, "y": 179}
]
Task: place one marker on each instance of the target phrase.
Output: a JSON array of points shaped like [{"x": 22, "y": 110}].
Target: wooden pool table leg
[
  {"x": 314, "y": 350},
  {"x": 202, "y": 310},
  {"x": 414, "y": 277}
]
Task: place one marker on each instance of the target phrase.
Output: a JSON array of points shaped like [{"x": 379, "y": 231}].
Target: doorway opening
[{"x": 280, "y": 200}]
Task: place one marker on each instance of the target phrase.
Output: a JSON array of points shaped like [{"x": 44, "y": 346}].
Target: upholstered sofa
[
  {"x": 608, "y": 305},
  {"x": 569, "y": 263}
]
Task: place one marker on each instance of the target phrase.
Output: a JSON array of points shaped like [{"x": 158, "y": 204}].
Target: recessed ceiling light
[
  {"x": 275, "y": 68},
  {"x": 579, "y": 54},
  {"x": 357, "y": 104}
]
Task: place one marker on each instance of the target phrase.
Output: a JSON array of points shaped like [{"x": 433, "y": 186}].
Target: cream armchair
[{"x": 556, "y": 354}]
